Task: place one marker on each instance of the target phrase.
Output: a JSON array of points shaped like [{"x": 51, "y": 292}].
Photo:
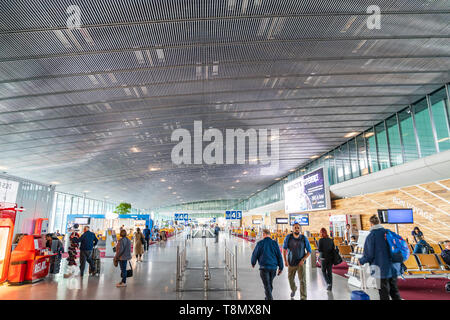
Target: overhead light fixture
[
  {"x": 174, "y": 193},
  {"x": 237, "y": 181},
  {"x": 163, "y": 180},
  {"x": 443, "y": 139},
  {"x": 135, "y": 150},
  {"x": 107, "y": 197},
  {"x": 3, "y": 168},
  {"x": 277, "y": 179},
  {"x": 154, "y": 169},
  {"x": 232, "y": 187},
  {"x": 86, "y": 191},
  {"x": 245, "y": 172},
  {"x": 170, "y": 188},
  {"x": 369, "y": 134},
  {"x": 55, "y": 182},
  {"x": 351, "y": 134},
  {"x": 314, "y": 157},
  {"x": 292, "y": 170}
]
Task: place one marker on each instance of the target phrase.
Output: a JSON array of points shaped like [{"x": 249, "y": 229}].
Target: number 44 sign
[{"x": 233, "y": 215}]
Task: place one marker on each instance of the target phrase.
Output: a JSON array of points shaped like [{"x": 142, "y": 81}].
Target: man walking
[
  {"x": 296, "y": 249},
  {"x": 377, "y": 254},
  {"x": 87, "y": 242},
  {"x": 268, "y": 255},
  {"x": 146, "y": 233},
  {"x": 216, "y": 232}
]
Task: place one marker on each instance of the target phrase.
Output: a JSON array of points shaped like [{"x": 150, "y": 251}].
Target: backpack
[{"x": 398, "y": 247}]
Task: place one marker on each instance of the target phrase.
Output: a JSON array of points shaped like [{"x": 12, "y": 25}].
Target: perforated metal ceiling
[{"x": 73, "y": 103}]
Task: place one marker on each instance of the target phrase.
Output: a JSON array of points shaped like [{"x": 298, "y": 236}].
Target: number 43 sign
[{"x": 233, "y": 215}]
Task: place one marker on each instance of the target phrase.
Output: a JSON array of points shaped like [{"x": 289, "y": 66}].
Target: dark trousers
[
  {"x": 217, "y": 237},
  {"x": 267, "y": 277},
  {"x": 86, "y": 255},
  {"x": 146, "y": 244},
  {"x": 327, "y": 271},
  {"x": 389, "y": 288},
  {"x": 123, "y": 270}
]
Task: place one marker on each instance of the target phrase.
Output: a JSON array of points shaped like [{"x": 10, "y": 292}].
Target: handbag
[
  {"x": 130, "y": 271},
  {"x": 337, "y": 259},
  {"x": 142, "y": 240}
]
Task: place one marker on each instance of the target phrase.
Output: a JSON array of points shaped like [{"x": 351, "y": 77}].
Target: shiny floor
[{"x": 155, "y": 278}]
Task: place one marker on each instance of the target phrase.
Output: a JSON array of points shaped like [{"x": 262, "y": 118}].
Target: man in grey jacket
[{"x": 123, "y": 255}]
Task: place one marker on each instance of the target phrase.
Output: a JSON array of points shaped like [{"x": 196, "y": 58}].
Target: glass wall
[
  {"x": 66, "y": 204},
  {"x": 419, "y": 130}
]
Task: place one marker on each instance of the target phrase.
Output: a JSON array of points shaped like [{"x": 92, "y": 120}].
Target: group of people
[{"x": 296, "y": 249}]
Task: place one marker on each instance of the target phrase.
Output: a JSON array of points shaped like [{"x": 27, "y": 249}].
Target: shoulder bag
[{"x": 130, "y": 271}]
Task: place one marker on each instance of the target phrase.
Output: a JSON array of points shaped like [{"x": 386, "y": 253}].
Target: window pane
[
  {"x": 354, "y": 158},
  {"x": 362, "y": 154},
  {"x": 423, "y": 127},
  {"x": 372, "y": 149},
  {"x": 395, "y": 146},
  {"x": 331, "y": 173},
  {"x": 339, "y": 166},
  {"x": 438, "y": 109},
  {"x": 408, "y": 135},
  {"x": 345, "y": 161},
  {"x": 383, "y": 153}
]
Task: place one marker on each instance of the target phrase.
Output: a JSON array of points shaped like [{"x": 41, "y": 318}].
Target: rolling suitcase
[{"x": 96, "y": 258}]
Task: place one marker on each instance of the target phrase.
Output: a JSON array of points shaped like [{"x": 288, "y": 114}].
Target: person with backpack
[
  {"x": 88, "y": 241},
  {"x": 377, "y": 253},
  {"x": 422, "y": 246},
  {"x": 267, "y": 254},
  {"x": 296, "y": 249},
  {"x": 123, "y": 255},
  {"x": 326, "y": 250},
  {"x": 146, "y": 233}
]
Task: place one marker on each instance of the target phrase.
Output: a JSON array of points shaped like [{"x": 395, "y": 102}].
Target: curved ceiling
[{"x": 94, "y": 108}]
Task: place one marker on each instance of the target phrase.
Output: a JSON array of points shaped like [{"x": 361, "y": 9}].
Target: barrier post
[{"x": 235, "y": 268}]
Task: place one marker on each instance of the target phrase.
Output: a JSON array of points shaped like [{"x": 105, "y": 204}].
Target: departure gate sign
[
  {"x": 181, "y": 217},
  {"x": 233, "y": 215}
]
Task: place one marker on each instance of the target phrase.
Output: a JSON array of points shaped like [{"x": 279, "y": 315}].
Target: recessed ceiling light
[
  {"x": 163, "y": 180},
  {"x": 135, "y": 150},
  {"x": 86, "y": 191},
  {"x": 174, "y": 193},
  {"x": 169, "y": 188},
  {"x": 232, "y": 187},
  {"x": 314, "y": 157},
  {"x": 154, "y": 169},
  {"x": 350, "y": 134},
  {"x": 292, "y": 170},
  {"x": 277, "y": 179},
  {"x": 245, "y": 172},
  {"x": 443, "y": 139},
  {"x": 3, "y": 168},
  {"x": 55, "y": 182},
  {"x": 107, "y": 197},
  {"x": 237, "y": 181},
  {"x": 369, "y": 134}
]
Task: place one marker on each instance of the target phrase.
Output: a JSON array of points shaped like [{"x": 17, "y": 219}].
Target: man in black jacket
[{"x": 87, "y": 242}]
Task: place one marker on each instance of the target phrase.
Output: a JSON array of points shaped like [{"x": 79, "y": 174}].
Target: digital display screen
[
  {"x": 301, "y": 218},
  {"x": 82, "y": 220},
  {"x": 400, "y": 216},
  {"x": 307, "y": 193},
  {"x": 256, "y": 222},
  {"x": 282, "y": 220}
]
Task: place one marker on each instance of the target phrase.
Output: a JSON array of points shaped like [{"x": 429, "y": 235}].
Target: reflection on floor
[{"x": 154, "y": 278}]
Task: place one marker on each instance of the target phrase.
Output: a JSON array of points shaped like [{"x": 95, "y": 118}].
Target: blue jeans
[
  {"x": 123, "y": 270},
  {"x": 267, "y": 276},
  {"x": 85, "y": 255}
]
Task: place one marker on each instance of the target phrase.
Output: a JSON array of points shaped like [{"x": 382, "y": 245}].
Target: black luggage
[{"x": 96, "y": 259}]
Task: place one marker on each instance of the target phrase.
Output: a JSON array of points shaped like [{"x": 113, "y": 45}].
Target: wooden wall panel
[{"x": 430, "y": 203}]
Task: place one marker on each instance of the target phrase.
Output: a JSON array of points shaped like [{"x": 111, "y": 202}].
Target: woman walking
[
  {"x": 123, "y": 255},
  {"x": 139, "y": 244},
  {"x": 326, "y": 249},
  {"x": 72, "y": 250}
]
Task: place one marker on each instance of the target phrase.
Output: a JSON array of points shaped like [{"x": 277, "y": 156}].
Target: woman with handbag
[
  {"x": 123, "y": 255},
  {"x": 139, "y": 241},
  {"x": 326, "y": 249}
]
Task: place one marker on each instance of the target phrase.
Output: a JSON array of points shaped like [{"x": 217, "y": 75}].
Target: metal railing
[
  {"x": 181, "y": 264},
  {"x": 230, "y": 260}
]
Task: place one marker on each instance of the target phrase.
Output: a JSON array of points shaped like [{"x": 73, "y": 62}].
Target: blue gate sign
[
  {"x": 227, "y": 215},
  {"x": 233, "y": 215},
  {"x": 185, "y": 217},
  {"x": 239, "y": 215},
  {"x": 177, "y": 217}
]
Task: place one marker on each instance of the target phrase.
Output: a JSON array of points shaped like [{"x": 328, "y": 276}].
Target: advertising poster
[{"x": 307, "y": 193}]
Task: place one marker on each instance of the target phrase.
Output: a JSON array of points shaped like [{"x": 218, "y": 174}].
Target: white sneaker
[{"x": 120, "y": 284}]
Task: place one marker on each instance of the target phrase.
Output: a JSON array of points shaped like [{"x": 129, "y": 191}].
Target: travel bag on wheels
[{"x": 96, "y": 259}]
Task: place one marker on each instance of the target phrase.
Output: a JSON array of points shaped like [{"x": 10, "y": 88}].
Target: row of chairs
[
  {"x": 436, "y": 247},
  {"x": 426, "y": 265}
]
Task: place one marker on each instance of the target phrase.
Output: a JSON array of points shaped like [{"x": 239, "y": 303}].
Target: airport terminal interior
[{"x": 191, "y": 132}]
